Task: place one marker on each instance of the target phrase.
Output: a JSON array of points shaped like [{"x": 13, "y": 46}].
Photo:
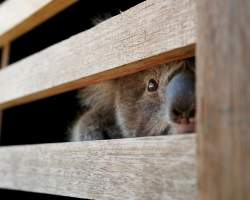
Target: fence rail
[
  {"x": 141, "y": 168},
  {"x": 144, "y": 36},
  {"x": 18, "y": 17}
]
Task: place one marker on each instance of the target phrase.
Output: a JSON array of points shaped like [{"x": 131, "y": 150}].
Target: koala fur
[{"x": 123, "y": 107}]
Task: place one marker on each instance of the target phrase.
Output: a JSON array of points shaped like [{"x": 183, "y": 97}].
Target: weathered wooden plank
[
  {"x": 5, "y": 55},
  {"x": 153, "y": 32},
  {"x": 223, "y": 71},
  {"x": 141, "y": 168},
  {"x": 18, "y": 17}
]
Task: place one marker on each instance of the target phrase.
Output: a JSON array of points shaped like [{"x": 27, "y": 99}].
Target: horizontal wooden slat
[
  {"x": 142, "y": 168},
  {"x": 17, "y": 17},
  {"x": 155, "y": 31}
]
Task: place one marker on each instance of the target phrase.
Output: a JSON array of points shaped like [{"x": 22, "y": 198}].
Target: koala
[{"x": 157, "y": 101}]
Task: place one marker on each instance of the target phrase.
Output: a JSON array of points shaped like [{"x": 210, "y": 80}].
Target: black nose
[{"x": 180, "y": 96}]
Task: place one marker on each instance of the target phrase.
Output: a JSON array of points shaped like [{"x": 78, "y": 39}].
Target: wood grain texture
[
  {"x": 142, "y": 168},
  {"x": 5, "y": 55},
  {"x": 153, "y": 32},
  {"x": 18, "y": 17},
  {"x": 223, "y": 73}
]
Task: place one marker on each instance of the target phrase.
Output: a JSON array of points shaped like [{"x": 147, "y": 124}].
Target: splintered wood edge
[
  {"x": 161, "y": 167},
  {"x": 142, "y": 37},
  {"x": 19, "y": 17}
]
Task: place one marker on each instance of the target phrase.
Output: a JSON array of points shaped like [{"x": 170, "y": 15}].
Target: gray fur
[{"x": 123, "y": 107}]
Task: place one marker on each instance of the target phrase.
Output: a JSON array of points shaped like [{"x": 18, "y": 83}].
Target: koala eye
[{"x": 152, "y": 85}]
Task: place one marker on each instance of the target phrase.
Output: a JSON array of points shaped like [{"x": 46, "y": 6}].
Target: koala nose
[{"x": 180, "y": 95}]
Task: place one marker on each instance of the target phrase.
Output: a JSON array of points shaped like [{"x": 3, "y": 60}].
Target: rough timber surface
[
  {"x": 153, "y": 32},
  {"x": 223, "y": 76},
  {"x": 19, "y": 16},
  {"x": 142, "y": 168}
]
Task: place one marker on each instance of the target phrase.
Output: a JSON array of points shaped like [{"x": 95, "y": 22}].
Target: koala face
[{"x": 157, "y": 101}]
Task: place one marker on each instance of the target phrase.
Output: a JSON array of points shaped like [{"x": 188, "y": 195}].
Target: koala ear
[{"x": 100, "y": 18}]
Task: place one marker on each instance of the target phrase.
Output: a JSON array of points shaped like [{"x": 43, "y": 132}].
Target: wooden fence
[{"x": 211, "y": 165}]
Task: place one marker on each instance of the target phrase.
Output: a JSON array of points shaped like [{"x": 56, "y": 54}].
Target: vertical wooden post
[
  {"x": 5, "y": 55},
  {"x": 223, "y": 87},
  {"x": 4, "y": 62}
]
